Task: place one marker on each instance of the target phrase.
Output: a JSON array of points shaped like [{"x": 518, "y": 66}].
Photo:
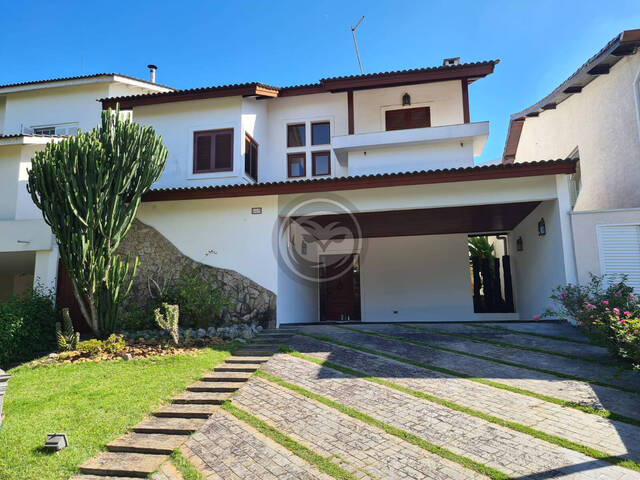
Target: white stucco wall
[
  {"x": 423, "y": 278},
  {"x": 443, "y": 98},
  {"x": 221, "y": 232},
  {"x": 585, "y": 236},
  {"x": 540, "y": 266},
  {"x": 9, "y": 171},
  {"x": 602, "y": 121},
  {"x": 412, "y": 158},
  {"x": 176, "y": 123},
  {"x": 323, "y": 107}
]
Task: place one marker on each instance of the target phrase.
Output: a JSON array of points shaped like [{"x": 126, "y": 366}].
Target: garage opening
[{"x": 490, "y": 270}]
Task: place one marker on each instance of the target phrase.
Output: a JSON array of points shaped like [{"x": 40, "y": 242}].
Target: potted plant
[{"x": 4, "y": 378}]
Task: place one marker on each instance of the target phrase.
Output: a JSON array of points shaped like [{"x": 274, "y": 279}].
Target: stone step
[
  {"x": 201, "y": 398},
  {"x": 185, "y": 410},
  {"x": 101, "y": 477},
  {"x": 252, "y": 352},
  {"x": 158, "y": 443},
  {"x": 237, "y": 367},
  {"x": 169, "y": 426},
  {"x": 227, "y": 377},
  {"x": 264, "y": 350},
  {"x": 247, "y": 359},
  {"x": 118, "y": 464},
  {"x": 214, "y": 386}
]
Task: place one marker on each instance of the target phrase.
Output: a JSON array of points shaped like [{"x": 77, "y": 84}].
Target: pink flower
[
  {"x": 627, "y": 314},
  {"x": 536, "y": 318},
  {"x": 606, "y": 302},
  {"x": 618, "y": 294},
  {"x": 580, "y": 324},
  {"x": 632, "y": 297},
  {"x": 563, "y": 295},
  {"x": 623, "y": 321},
  {"x": 616, "y": 311},
  {"x": 635, "y": 332}
]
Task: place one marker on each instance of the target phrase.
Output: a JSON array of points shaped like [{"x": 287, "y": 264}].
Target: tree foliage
[
  {"x": 88, "y": 188},
  {"x": 480, "y": 247}
]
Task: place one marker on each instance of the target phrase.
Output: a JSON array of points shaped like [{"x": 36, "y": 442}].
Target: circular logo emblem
[{"x": 316, "y": 239}]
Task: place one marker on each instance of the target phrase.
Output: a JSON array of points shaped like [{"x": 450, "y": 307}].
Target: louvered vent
[{"x": 619, "y": 249}]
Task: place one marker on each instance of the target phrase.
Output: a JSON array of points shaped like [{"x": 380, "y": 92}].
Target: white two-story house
[
  {"x": 594, "y": 117},
  {"x": 31, "y": 115},
  {"x": 352, "y": 198}
]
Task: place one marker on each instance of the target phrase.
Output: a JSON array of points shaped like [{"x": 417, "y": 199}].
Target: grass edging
[
  {"x": 499, "y": 343},
  {"x": 321, "y": 463},
  {"x": 564, "y": 403},
  {"x": 490, "y": 359},
  {"x": 404, "y": 435},
  {"x": 553, "y": 439},
  {"x": 532, "y": 334},
  {"x": 185, "y": 467}
]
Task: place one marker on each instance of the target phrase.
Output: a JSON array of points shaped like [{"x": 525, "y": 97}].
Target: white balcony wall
[{"x": 411, "y": 158}]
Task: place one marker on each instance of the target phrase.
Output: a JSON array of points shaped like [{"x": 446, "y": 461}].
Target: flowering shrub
[{"x": 610, "y": 315}]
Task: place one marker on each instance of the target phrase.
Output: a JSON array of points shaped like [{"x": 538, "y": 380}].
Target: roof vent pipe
[
  {"x": 450, "y": 62},
  {"x": 152, "y": 73}
]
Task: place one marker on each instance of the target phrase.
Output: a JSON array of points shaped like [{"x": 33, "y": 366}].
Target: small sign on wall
[{"x": 256, "y": 210}]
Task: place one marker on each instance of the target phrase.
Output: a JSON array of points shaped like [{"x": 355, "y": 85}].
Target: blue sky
[{"x": 201, "y": 43}]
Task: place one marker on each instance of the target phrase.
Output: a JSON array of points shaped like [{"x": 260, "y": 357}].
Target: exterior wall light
[
  {"x": 519, "y": 245},
  {"x": 406, "y": 99},
  {"x": 542, "y": 229},
  {"x": 56, "y": 441}
]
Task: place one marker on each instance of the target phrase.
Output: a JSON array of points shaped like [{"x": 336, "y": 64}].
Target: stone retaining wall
[{"x": 162, "y": 263}]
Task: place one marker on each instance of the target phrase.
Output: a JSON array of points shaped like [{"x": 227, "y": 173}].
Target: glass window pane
[
  {"x": 320, "y": 134},
  {"x": 321, "y": 163},
  {"x": 296, "y": 166},
  {"x": 296, "y": 135},
  {"x": 203, "y": 153},
  {"x": 224, "y": 160}
]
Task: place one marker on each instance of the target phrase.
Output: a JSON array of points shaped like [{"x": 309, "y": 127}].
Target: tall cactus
[{"x": 88, "y": 188}]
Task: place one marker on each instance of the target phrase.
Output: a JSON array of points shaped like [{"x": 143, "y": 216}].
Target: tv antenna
[{"x": 353, "y": 32}]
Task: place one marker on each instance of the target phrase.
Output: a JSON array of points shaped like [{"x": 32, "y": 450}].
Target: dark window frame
[
  {"x": 44, "y": 130},
  {"x": 304, "y": 139},
  {"x": 406, "y": 111},
  {"x": 212, "y": 159},
  {"x": 313, "y": 163},
  {"x": 249, "y": 142},
  {"x": 304, "y": 164},
  {"x": 313, "y": 143}
]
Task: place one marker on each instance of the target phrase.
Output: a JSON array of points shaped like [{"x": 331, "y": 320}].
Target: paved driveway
[{"x": 419, "y": 401}]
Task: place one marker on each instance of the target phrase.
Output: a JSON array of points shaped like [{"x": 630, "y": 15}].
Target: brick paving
[
  {"x": 363, "y": 450},
  {"x": 596, "y": 396},
  {"x": 556, "y": 346},
  {"x": 227, "y": 449},
  {"x": 511, "y": 452},
  {"x": 565, "y": 366},
  {"x": 615, "y": 438}
]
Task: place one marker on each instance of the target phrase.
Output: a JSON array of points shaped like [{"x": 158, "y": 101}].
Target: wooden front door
[{"x": 340, "y": 288}]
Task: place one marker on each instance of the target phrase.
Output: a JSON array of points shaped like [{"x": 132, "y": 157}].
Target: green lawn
[{"x": 92, "y": 403}]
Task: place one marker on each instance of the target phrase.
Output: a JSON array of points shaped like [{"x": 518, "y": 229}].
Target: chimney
[
  {"x": 152, "y": 73},
  {"x": 450, "y": 62}
]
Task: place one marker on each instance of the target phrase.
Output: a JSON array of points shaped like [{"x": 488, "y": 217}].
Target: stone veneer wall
[{"x": 163, "y": 263}]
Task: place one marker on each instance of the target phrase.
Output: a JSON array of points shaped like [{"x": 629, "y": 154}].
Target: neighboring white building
[
  {"x": 31, "y": 115},
  {"x": 594, "y": 116}
]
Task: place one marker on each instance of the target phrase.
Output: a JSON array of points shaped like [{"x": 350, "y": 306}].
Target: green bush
[
  {"x": 609, "y": 315},
  {"x": 27, "y": 326},
  {"x": 200, "y": 300},
  {"x": 113, "y": 345}
]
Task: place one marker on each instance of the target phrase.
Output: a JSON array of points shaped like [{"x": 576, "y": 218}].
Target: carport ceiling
[
  {"x": 14, "y": 263},
  {"x": 427, "y": 221}
]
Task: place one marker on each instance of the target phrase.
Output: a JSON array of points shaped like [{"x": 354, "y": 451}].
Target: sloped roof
[
  {"x": 80, "y": 77},
  {"x": 625, "y": 43},
  {"x": 463, "y": 174},
  {"x": 471, "y": 71}
]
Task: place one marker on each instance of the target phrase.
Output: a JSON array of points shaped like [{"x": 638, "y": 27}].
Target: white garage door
[{"x": 619, "y": 249}]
